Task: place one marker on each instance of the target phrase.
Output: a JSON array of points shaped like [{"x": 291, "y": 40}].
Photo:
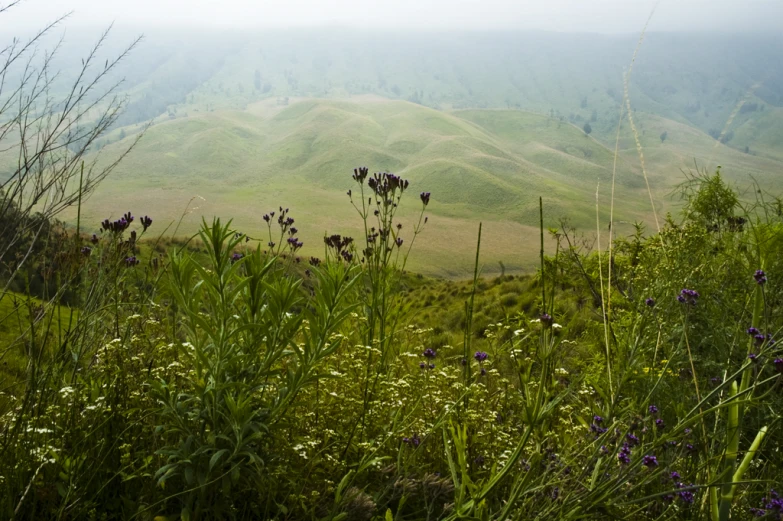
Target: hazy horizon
[{"x": 571, "y": 16}]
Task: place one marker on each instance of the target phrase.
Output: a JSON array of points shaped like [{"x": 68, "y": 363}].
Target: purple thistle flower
[
  {"x": 753, "y": 357},
  {"x": 659, "y": 423},
  {"x": 422, "y": 365},
  {"x": 688, "y": 296},
  {"x": 94, "y": 239},
  {"x": 480, "y": 356},
  {"x": 236, "y": 257},
  {"x": 86, "y": 251},
  {"x": 598, "y": 419},
  {"x": 650, "y": 461},
  {"x": 759, "y": 339},
  {"x": 464, "y": 362},
  {"x": 429, "y": 353},
  {"x": 778, "y": 363},
  {"x": 753, "y": 331},
  {"x": 632, "y": 439},
  {"x": 483, "y": 372},
  {"x": 650, "y": 302},
  {"x": 760, "y": 277},
  {"x": 652, "y": 409},
  {"x": 674, "y": 475},
  {"x": 431, "y": 366},
  {"x": 131, "y": 262},
  {"x": 398, "y": 242},
  {"x": 425, "y": 198}
]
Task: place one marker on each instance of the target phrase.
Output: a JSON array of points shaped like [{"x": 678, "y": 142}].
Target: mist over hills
[
  {"x": 486, "y": 121},
  {"x": 692, "y": 78}
]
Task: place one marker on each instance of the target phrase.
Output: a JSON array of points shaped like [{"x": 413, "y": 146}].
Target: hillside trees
[{"x": 587, "y": 128}]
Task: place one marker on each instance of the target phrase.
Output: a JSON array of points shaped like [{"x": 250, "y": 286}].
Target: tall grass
[{"x": 232, "y": 379}]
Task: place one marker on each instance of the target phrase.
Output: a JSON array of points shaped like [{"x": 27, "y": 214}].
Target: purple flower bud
[
  {"x": 146, "y": 222},
  {"x": 650, "y": 461},
  {"x": 480, "y": 356},
  {"x": 652, "y": 409},
  {"x": 546, "y": 320},
  {"x": 649, "y": 301},
  {"x": 425, "y": 198},
  {"x": 760, "y": 277},
  {"x": 429, "y": 353}
]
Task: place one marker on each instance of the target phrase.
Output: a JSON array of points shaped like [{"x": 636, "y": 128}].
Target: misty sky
[{"x": 607, "y": 16}]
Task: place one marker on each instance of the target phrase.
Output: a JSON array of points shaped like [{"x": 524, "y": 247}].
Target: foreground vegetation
[{"x": 232, "y": 379}]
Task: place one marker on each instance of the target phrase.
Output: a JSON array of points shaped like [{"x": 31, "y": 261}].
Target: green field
[{"x": 480, "y": 165}]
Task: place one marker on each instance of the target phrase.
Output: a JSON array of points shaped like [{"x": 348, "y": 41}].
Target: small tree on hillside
[
  {"x": 587, "y": 128},
  {"x": 664, "y": 136}
]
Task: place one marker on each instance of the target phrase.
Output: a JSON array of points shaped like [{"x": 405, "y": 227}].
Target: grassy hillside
[{"x": 487, "y": 165}]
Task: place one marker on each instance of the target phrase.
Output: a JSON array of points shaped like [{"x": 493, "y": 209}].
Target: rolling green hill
[{"x": 480, "y": 165}]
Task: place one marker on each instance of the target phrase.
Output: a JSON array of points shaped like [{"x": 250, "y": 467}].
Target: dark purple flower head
[
  {"x": 480, "y": 356},
  {"x": 753, "y": 357},
  {"x": 597, "y": 419},
  {"x": 770, "y": 340},
  {"x": 483, "y": 372},
  {"x": 86, "y": 251},
  {"x": 422, "y": 365},
  {"x": 131, "y": 262},
  {"x": 546, "y": 320},
  {"x": 632, "y": 439},
  {"x": 479, "y": 460},
  {"x": 760, "y": 277},
  {"x": 431, "y": 366},
  {"x": 235, "y": 257},
  {"x": 146, "y": 222},
  {"x": 650, "y": 461},
  {"x": 624, "y": 456},
  {"x": 753, "y": 331},
  {"x": 314, "y": 261},
  {"x": 425, "y": 198},
  {"x": 464, "y": 362},
  {"x": 674, "y": 475},
  {"x": 360, "y": 174},
  {"x": 429, "y": 353},
  {"x": 649, "y": 301},
  {"x": 778, "y": 363},
  {"x": 686, "y": 496},
  {"x": 398, "y": 241},
  {"x": 659, "y": 423},
  {"x": 759, "y": 339},
  {"x": 688, "y": 296},
  {"x": 94, "y": 239},
  {"x": 652, "y": 409}
]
